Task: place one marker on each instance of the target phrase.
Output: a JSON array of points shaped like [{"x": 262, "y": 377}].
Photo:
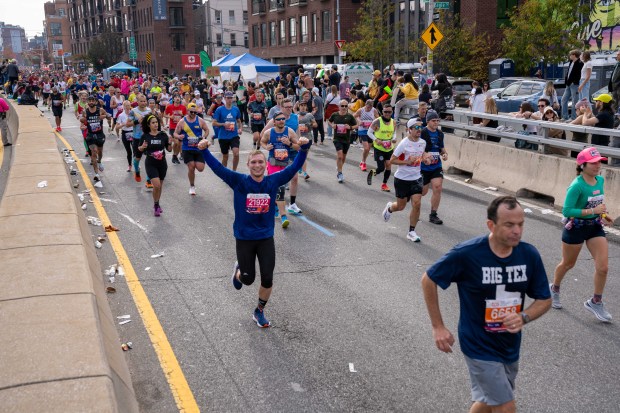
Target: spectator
[
  {"x": 490, "y": 107},
  {"x": 551, "y": 95},
  {"x": 334, "y": 77},
  {"x": 571, "y": 80},
  {"x": 603, "y": 119},
  {"x": 7, "y": 140},
  {"x": 411, "y": 91},
  {"x": 27, "y": 98},
  {"x": 614, "y": 81},
  {"x": 12, "y": 74},
  {"x": 332, "y": 102},
  {"x": 476, "y": 103},
  {"x": 580, "y": 110},
  {"x": 586, "y": 73},
  {"x": 357, "y": 86},
  {"x": 423, "y": 71},
  {"x": 551, "y": 115},
  {"x": 344, "y": 88}
]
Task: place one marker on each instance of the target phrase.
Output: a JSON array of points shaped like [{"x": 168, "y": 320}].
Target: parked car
[
  {"x": 461, "y": 90},
  {"x": 498, "y": 85},
  {"x": 511, "y": 97}
]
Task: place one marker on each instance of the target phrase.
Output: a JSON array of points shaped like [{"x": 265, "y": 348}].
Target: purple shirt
[{"x": 344, "y": 88}]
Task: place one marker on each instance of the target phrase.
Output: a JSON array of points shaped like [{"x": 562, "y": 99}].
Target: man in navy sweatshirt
[{"x": 255, "y": 206}]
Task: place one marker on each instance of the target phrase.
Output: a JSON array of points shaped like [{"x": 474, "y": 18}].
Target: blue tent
[
  {"x": 122, "y": 67},
  {"x": 226, "y": 58},
  {"x": 247, "y": 59}
]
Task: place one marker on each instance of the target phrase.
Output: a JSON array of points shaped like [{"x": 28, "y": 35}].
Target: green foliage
[
  {"x": 374, "y": 35},
  {"x": 105, "y": 50},
  {"x": 542, "y": 31}
]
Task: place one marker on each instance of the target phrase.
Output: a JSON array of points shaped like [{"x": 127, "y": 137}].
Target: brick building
[
  {"x": 56, "y": 29},
  {"x": 163, "y": 29},
  {"x": 299, "y": 31}
]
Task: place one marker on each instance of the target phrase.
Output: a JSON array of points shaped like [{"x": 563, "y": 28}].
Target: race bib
[
  {"x": 303, "y": 128},
  {"x": 57, "y": 102},
  {"x": 129, "y": 136},
  {"x": 95, "y": 126},
  {"x": 159, "y": 155},
  {"x": 257, "y": 116},
  {"x": 229, "y": 126},
  {"x": 280, "y": 154},
  {"x": 193, "y": 142},
  {"x": 434, "y": 157},
  {"x": 496, "y": 310},
  {"x": 386, "y": 144},
  {"x": 366, "y": 124},
  {"x": 257, "y": 203},
  {"x": 341, "y": 129}
]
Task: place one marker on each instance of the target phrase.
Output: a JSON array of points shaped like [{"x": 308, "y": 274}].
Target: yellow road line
[{"x": 172, "y": 370}]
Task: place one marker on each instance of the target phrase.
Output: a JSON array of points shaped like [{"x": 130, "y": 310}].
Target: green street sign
[
  {"x": 442, "y": 4},
  {"x": 133, "y": 54}
]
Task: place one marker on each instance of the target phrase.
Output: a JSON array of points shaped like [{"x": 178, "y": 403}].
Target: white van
[{"x": 359, "y": 70}]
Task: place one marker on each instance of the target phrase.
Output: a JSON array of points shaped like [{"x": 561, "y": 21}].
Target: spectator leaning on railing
[
  {"x": 603, "y": 119},
  {"x": 551, "y": 115}
]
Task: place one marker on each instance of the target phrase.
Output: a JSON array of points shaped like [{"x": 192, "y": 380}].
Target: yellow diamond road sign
[{"x": 432, "y": 36}]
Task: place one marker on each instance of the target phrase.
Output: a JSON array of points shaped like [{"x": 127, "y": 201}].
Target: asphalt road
[{"x": 350, "y": 328}]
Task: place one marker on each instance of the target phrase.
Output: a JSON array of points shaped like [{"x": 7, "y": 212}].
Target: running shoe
[
  {"x": 277, "y": 212},
  {"x": 96, "y": 178},
  {"x": 371, "y": 173},
  {"x": 192, "y": 190},
  {"x": 285, "y": 222},
  {"x": 598, "y": 310},
  {"x": 363, "y": 166},
  {"x": 137, "y": 177},
  {"x": 101, "y": 168},
  {"x": 306, "y": 176},
  {"x": 412, "y": 236},
  {"x": 156, "y": 211},
  {"x": 59, "y": 129},
  {"x": 385, "y": 187},
  {"x": 434, "y": 219},
  {"x": 109, "y": 129},
  {"x": 259, "y": 318},
  {"x": 293, "y": 209},
  {"x": 175, "y": 159},
  {"x": 235, "y": 281},
  {"x": 149, "y": 185},
  {"x": 340, "y": 177},
  {"x": 128, "y": 168},
  {"x": 555, "y": 298},
  {"x": 386, "y": 212}
]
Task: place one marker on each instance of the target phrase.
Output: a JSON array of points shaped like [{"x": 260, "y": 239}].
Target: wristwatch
[{"x": 525, "y": 318}]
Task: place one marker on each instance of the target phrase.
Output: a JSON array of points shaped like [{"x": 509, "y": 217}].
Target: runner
[
  {"x": 253, "y": 228},
  {"x": 365, "y": 116},
  {"x": 257, "y": 109},
  {"x": 494, "y": 273},
  {"x": 174, "y": 112},
  {"x": 306, "y": 124},
  {"x": 92, "y": 121},
  {"x": 190, "y": 130},
  {"x": 152, "y": 143},
  {"x": 342, "y": 123},
  {"x": 409, "y": 155},
  {"x": 117, "y": 108},
  {"x": 126, "y": 132},
  {"x": 57, "y": 101},
  {"x": 433, "y": 173},
  {"x": 107, "y": 105},
  {"x": 228, "y": 120},
  {"x": 135, "y": 119},
  {"x": 382, "y": 132},
  {"x": 46, "y": 86},
  {"x": 585, "y": 214}
]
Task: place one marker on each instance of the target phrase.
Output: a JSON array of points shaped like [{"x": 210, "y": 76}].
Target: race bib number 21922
[{"x": 257, "y": 203}]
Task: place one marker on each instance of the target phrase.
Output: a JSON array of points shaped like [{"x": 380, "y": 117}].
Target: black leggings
[
  {"x": 319, "y": 129},
  {"x": 127, "y": 145},
  {"x": 248, "y": 251}
]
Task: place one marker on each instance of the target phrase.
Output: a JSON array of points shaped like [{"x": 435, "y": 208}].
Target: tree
[
  {"x": 542, "y": 31},
  {"x": 462, "y": 52},
  {"x": 375, "y": 33},
  {"x": 105, "y": 50}
]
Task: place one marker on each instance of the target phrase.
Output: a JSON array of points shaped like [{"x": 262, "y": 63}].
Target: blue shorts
[{"x": 575, "y": 236}]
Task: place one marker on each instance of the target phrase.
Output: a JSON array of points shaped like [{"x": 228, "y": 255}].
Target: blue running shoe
[
  {"x": 235, "y": 282},
  {"x": 259, "y": 317}
]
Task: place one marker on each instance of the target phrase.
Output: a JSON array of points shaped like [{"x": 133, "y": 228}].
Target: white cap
[{"x": 413, "y": 121}]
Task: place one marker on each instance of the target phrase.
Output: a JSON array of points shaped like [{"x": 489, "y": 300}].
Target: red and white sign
[
  {"x": 340, "y": 43},
  {"x": 190, "y": 61}
]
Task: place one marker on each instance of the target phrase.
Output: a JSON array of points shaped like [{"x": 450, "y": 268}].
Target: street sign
[
  {"x": 340, "y": 43},
  {"x": 67, "y": 54},
  {"x": 227, "y": 50},
  {"x": 148, "y": 57},
  {"x": 435, "y": 16},
  {"x": 190, "y": 61},
  {"x": 442, "y": 5},
  {"x": 432, "y": 36},
  {"x": 133, "y": 54},
  {"x": 213, "y": 71}
]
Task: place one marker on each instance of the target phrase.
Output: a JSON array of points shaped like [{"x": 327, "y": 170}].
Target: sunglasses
[
  {"x": 417, "y": 127},
  {"x": 279, "y": 119},
  {"x": 542, "y": 106},
  {"x": 344, "y": 106},
  {"x": 192, "y": 111}
]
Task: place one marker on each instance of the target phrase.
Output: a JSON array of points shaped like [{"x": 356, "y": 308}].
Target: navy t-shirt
[
  {"x": 489, "y": 288},
  {"x": 436, "y": 140}
]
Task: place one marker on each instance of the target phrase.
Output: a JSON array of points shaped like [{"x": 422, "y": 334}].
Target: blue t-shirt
[
  {"x": 489, "y": 287},
  {"x": 436, "y": 140},
  {"x": 107, "y": 100},
  {"x": 192, "y": 134},
  {"x": 254, "y": 202},
  {"x": 224, "y": 115},
  {"x": 136, "y": 116},
  {"x": 279, "y": 154}
]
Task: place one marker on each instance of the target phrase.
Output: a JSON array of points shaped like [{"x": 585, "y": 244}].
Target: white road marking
[{"x": 130, "y": 219}]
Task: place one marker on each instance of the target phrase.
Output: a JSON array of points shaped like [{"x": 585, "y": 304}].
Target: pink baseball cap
[{"x": 589, "y": 155}]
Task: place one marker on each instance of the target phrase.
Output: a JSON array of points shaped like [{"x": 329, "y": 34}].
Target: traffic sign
[
  {"x": 133, "y": 54},
  {"x": 442, "y": 5},
  {"x": 340, "y": 43},
  {"x": 148, "y": 57},
  {"x": 432, "y": 36}
]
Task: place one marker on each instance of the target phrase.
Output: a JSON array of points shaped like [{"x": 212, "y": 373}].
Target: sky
[{"x": 25, "y": 13}]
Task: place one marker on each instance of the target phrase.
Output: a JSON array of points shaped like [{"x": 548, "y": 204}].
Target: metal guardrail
[{"x": 504, "y": 120}]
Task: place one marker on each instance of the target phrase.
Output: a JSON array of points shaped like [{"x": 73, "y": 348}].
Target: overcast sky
[{"x": 25, "y": 13}]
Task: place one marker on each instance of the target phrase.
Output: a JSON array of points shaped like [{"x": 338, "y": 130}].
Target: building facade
[
  {"x": 222, "y": 27},
  {"x": 13, "y": 42},
  {"x": 56, "y": 29},
  {"x": 299, "y": 31},
  {"x": 159, "y": 31}
]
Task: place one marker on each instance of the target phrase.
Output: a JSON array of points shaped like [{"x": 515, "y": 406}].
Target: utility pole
[
  {"x": 429, "y": 52},
  {"x": 209, "y": 39},
  {"x": 338, "y": 28}
]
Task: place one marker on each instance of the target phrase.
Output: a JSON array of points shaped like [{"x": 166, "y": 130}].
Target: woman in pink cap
[{"x": 585, "y": 214}]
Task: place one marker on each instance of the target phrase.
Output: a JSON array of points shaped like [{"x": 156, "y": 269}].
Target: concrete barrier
[{"x": 59, "y": 348}]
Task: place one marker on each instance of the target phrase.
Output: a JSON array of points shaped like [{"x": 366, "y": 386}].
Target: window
[
  {"x": 303, "y": 29},
  {"x": 245, "y": 17},
  {"x": 55, "y": 29},
  {"x": 255, "y": 35},
  {"x": 292, "y": 28},
  {"x": 282, "y": 33},
  {"x": 176, "y": 17},
  {"x": 313, "y": 28},
  {"x": 263, "y": 37},
  {"x": 245, "y": 40},
  {"x": 272, "y": 34},
  {"x": 503, "y": 8},
  {"x": 233, "y": 39},
  {"x": 231, "y": 17},
  {"x": 326, "y": 25},
  {"x": 511, "y": 90},
  {"x": 61, "y": 12},
  {"x": 218, "y": 39},
  {"x": 218, "y": 17},
  {"x": 178, "y": 41}
]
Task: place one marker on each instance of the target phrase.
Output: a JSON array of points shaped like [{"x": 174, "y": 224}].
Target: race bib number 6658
[{"x": 496, "y": 310}]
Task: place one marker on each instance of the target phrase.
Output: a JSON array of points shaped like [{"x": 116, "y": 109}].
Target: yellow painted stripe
[{"x": 172, "y": 370}]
